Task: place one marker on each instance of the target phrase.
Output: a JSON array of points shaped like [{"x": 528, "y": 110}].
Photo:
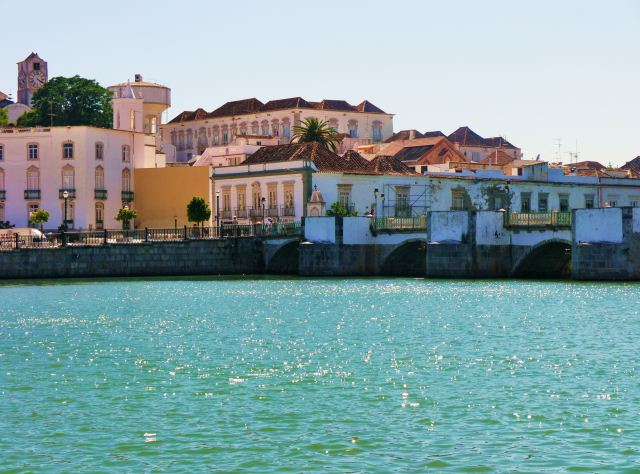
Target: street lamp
[
  {"x": 382, "y": 198},
  {"x": 218, "y": 208},
  {"x": 263, "y": 200},
  {"x": 175, "y": 223},
  {"x": 65, "y": 196}
]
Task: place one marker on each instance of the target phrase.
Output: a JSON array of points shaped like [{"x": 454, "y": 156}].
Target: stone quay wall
[{"x": 193, "y": 257}]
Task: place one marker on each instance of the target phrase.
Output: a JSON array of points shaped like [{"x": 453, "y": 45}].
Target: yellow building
[{"x": 162, "y": 194}]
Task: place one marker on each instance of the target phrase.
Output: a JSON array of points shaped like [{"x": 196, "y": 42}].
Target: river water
[{"x": 319, "y": 375}]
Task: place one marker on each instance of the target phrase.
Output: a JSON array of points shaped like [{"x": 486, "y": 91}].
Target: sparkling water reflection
[{"x": 362, "y": 375}]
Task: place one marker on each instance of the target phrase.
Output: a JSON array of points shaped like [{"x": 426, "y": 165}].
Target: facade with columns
[{"x": 191, "y": 132}]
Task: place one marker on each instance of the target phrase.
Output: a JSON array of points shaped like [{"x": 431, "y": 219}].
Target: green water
[{"x": 319, "y": 375}]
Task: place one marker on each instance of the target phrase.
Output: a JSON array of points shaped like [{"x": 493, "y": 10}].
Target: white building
[
  {"x": 191, "y": 132},
  {"x": 93, "y": 165}
]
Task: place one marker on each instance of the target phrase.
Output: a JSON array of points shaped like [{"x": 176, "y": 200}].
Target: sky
[{"x": 534, "y": 72}]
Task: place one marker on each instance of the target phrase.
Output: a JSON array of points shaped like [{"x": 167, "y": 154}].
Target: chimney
[
  {"x": 138, "y": 78},
  {"x": 412, "y": 134}
]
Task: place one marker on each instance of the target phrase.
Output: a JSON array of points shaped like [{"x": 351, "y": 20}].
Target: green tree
[
  {"x": 198, "y": 210},
  {"x": 4, "y": 116},
  {"x": 126, "y": 215},
  {"x": 39, "y": 217},
  {"x": 338, "y": 209},
  {"x": 313, "y": 130},
  {"x": 70, "y": 101}
]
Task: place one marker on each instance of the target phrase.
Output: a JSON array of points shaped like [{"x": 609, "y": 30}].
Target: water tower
[{"x": 156, "y": 98}]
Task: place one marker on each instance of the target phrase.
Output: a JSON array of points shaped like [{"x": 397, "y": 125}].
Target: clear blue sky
[{"x": 531, "y": 71}]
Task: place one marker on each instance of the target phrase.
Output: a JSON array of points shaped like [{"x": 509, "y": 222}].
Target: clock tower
[{"x": 32, "y": 75}]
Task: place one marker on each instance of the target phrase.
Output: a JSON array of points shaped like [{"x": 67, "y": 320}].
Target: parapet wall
[{"x": 196, "y": 257}]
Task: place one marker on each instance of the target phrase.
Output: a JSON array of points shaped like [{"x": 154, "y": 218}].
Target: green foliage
[
  {"x": 72, "y": 101},
  {"x": 314, "y": 130},
  {"x": 4, "y": 117},
  {"x": 338, "y": 209},
  {"x": 6, "y": 225},
  {"x": 39, "y": 217},
  {"x": 198, "y": 210},
  {"x": 125, "y": 215}
]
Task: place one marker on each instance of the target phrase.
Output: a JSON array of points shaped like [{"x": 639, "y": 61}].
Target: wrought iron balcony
[
  {"x": 127, "y": 196},
  {"x": 71, "y": 193},
  {"x": 288, "y": 211},
  {"x": 537, "y": 219},
  {"x": 100, "y": 194},
  {"x": 32, "y": 194}
]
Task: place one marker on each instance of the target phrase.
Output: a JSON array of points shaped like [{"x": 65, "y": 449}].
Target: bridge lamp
[
  {"x": 218, "y": 208},
  {"x": 375, "y": 200},
  {"x": 382, "y": 199}
]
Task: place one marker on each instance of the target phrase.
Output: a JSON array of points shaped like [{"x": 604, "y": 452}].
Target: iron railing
[
  {"x": 11, "y": 241},
  {"x": 100, "y": 194},
  {"x": 127, "y": 196},
  {"x": 398, "y": 224},
  {"x": 71, "y": 193},
  {"x": 32, "y": 194},
  {"x": 537, "y": 219}
]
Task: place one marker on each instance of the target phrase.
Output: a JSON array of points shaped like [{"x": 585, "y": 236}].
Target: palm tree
[{"x": 313, "y": 130}]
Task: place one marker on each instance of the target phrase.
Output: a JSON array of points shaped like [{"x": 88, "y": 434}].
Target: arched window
[
  {"x": 376, "y": 131},
  {"x": 202, "y": 140},
  {"x": 68, "y": 178},
  {"x": 255, "y": 129},
  {"x": 99, "y": 151},
  {"x": 215, "y": 133},
  {"x": 286, "y": 128},
  {"x": 275, "y": 128},
  {"x": 67, "y": 151},
  {"x": 333, "y": 123},
  {"x": 243, "y": 128},
  {"x": 265, "y": 127},
  {"x": 125, "y": 154},
  {"x": 99, "y": 178},
  {"x": 174, "y": 138},
  {"x": 225, "y": 134},
  {"x": 33, "y": 179},
  {"x": 189, "y": 139},
  {"x": 126, "y": 179},
  {"x": 99, "y": 215},
  {"x": 353, "y": 128},
  {"x": 256, "y": 196}
]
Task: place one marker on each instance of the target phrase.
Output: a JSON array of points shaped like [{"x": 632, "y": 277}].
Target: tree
[
  {"x": 338, "y": 209},
  {"x": 125, "y": 215},
  {"x": 198, "y": 210},
  {"x": 39, "y": 217},
  {"x": 4, "y": 116},
  {"x": 70, "y": 101},
  {"x": 314, "y": 130}
]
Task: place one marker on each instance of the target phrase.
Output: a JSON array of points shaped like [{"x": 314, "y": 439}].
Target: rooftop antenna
[
  {"x": 559, "y": 152},
  {"x": 573, "y": 155}
]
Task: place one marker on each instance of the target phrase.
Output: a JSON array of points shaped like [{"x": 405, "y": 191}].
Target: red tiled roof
[
  {"x": 497, "y": 157},
  {"x": 389, "y": 165},
  {"x": 633, "y": 165},
  {"x": 467, "y": 137},
  {"x": 250, "y": 106}
]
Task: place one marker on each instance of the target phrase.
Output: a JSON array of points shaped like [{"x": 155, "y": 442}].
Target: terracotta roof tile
[
  {"x": 389, "y": 165},
  {"x": 633, "y": 165},
  {"x": 367, "y": 107},
  {"x": 237, "y": 107},
  {"x": 290, "y": 103},
  {"x": 497, "y": 157}
]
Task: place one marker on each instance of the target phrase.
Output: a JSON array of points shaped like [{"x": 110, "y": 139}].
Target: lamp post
[
  {"x": 125, "y": 223},
  {"x": 65, "y": 196},
  {"x": 175, "y": 223},
  {"x": 218, "y": 208},
  {"x": 375, "y": 200},
  {"x": 382, "y": 199},
  {"x": 263, "y": 200}
]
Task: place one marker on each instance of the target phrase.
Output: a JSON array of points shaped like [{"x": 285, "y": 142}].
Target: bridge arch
[
  {"x": 408, "y": 258},
  {"x": 547, "y": 259},
  {"x": 283, "y": 259}
]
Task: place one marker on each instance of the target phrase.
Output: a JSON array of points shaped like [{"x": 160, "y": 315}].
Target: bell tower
[{"x": 32, "y": 75}]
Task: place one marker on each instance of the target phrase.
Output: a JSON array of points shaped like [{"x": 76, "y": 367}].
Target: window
[
  {"x": 613, "y": 200},
  {"x": 1, "y": 180},
  {"x": 154, "y": 125},
  {"x": 33, "y": 180},
  {"x": 31, "y": 207},
  {"x": 543, "y": 202},
  {"x": 275, "y": 129},
  {"x": 68, "y": 176},
  {"x": 353, "y": 129},
  {"x": 457, "y": 200},
  {"x": 99, "y": 178},
  {"x": 265, "y": 128},
  {"x": 1, "y": 152},
  {"x": 126, "y": 180},
  {"x": 32, "y": 151},
  {"x": 125, "y": 154},
  {"x": 634, "y": 201},
  {"x": 286, "y": 130},
  {"x": 189, "y": 139},
  {"x": 99, "y": 215},
  {"x": 255, "y": 129},
  {"x": 589, "y": 201},
  {"x": 243, "y": 129},
  {"x": 226, "y": 199},
  {"x": 67, "y": 151},
  {"x": 241, "y": 196},
  {"x": 256, "y": 196},
  {"x": 225, "y": 137},
  {"x": 181, "y": 141},
  {"x": 344, "y": 195},
  {"x": 288, "y": 196},
  {"x": 216, "y": 137},
  {"x": 70, "y": 212},
  {"x": 36, "y": 66},
  {"x": 564, "y": 202},
  {"x": 99, "y": 151},
  {"x": 377, "y": 132},
  {"x": 475, "y": 156},
  {"x": 402, "y": 201},
  {"x": 525, "y": 202},
  {"x": 272, "y": 197}
]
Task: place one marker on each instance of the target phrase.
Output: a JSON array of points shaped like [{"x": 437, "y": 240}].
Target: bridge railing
[
  {"x": 12, "y": 241},
  {"x": 398, "y": 224},
  {"x": 537, "y": 219}
]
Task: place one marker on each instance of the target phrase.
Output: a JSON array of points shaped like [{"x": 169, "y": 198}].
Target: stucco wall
[
  {"x": 162, "y": 193},
  {"x": 449, "y": 226},
  {"x": 598, "y": 225}
]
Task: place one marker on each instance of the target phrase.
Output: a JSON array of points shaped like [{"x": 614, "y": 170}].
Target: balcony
[
  {"x": 225, "y": 214},
  {"x": 288, "y": 211},
  {"x": 100, "y": 194},
  {"x": 271, "y": 212},
  {"x": 32, "y": 194},
  {"x": 398, "y": 224},
  {"x": 71, "y": 192},
  {"x": 537, "y": 219},
  {"x": 3, "y": 195},
  {"x": 127, "y": 196}
]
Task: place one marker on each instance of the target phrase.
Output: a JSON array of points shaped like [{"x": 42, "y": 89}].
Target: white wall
[
  {"x": 598, "y": 225},
  {"x": 449, "y": 226},
  {"x": 320, "y": 229}
]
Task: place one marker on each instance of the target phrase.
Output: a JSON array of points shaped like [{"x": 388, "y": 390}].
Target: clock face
[
  {"x": 36, "y": 79},
  {"x": 22, "y": 79}
]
